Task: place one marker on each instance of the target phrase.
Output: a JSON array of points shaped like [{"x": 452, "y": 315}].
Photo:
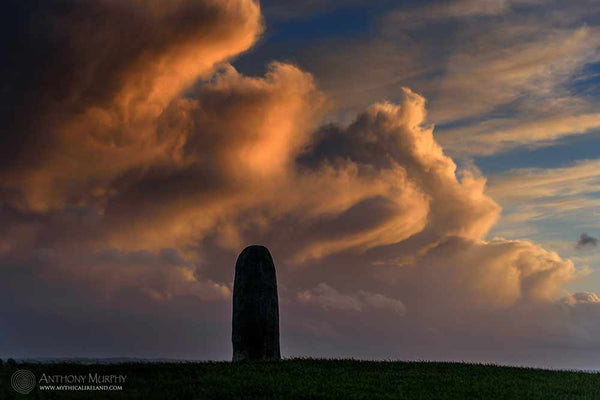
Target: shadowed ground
[{"x": 321, "y": 379}]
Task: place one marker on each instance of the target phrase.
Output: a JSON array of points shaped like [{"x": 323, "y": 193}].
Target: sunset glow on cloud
[{"x": 142, "y": 153}]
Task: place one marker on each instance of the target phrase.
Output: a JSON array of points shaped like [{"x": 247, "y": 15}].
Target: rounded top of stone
[
  {"x": 256, "y": 249},
  {"x": 255, "y": 254}
]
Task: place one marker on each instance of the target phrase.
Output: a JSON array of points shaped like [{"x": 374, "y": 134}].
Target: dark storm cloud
[
  {"x": 101, "y": 66},
  {"x": 586, "y": 241}
]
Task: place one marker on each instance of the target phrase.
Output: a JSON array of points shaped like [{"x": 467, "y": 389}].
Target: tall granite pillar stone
[{"x": 255, "y": 333}]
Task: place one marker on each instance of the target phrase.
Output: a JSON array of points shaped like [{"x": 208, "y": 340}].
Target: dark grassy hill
[{"x": 316, "y": 379}]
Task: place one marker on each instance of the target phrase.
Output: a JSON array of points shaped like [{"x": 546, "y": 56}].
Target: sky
[{"x": 426, "y": 175}]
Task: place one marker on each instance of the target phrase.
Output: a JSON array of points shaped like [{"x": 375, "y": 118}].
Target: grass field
[{"x": 316, "y": 379}]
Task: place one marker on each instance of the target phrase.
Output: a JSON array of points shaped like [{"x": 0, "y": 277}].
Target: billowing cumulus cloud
[
  {"x": 581, "y": 298},
  {"x": 132, "y": 187}
]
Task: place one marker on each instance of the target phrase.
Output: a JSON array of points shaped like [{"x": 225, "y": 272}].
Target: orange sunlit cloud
[{"x": 136, "y": 184}]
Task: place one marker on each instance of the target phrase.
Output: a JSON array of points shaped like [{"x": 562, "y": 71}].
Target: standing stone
[{"x": 255, "y": 333}]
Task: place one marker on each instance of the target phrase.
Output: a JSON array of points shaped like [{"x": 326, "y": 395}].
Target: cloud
[
  {"x": 329, "y": 298},
  {"x": 586, "y": 241},
  {"x": 157, "y": 163},
  {"x": 102, "y": 95},
  {"x": 577, "y": 179},
  {"x": 543, "y": 194},
  {"x": 242, "y": 151},
  {"x": 376, "y": 201},
  {"x": 528, "y": 66},
  {"x": 392, "y": 137},
  {"x": 551, "y": 202},
  {"x": 493, "y": 137},
  {"x": 581, "y": 298},
  {"x": 533, "y": 99}
]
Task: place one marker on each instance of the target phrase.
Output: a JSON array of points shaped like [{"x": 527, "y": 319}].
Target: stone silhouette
[{"x": 255, "y": 333}]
